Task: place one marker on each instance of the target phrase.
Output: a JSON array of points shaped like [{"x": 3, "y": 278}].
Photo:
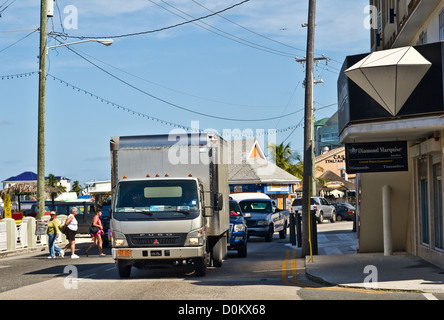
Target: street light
[
  {"x": 41, "y": 105},
  {"x": 105, "y": 42}
]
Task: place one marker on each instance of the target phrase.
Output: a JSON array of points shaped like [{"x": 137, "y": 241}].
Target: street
[{"x": 271, "y": 271}]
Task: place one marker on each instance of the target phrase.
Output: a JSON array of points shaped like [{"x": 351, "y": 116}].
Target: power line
[
  {"x": 175, "y": 90},
  {"x": 149, "y": 31},
  {"x": 129, "y": 110},
  {"x": 140, "y": 114},
  {"x": 225, "y": 34},
  {"x": 12, "y": 44},
  {"x": 174, "y": 104},
  {"x": 258, "y": 34},
  {"x": 2, "y": 10}
]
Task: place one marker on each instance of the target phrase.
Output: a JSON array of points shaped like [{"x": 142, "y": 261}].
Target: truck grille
[{"x": 157, "y": 240}]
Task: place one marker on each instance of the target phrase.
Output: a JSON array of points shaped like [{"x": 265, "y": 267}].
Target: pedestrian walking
[
  {"x": 71, "y": 230},
  {"x": 96, "y": 234},
  {"x": 53, "y": 233}
]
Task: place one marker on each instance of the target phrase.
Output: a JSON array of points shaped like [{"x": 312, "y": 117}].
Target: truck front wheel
[
  {"x": 124, "y": 268},
  {"x": 200, "y": 267},
  {"x": 269, "y": 235}
]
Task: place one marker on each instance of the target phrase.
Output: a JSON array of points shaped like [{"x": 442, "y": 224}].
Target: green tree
[
  {"x": 290, "y": 161},
  {"x": 285, "y": 158},
  {"x": 76, "y": 187},
  {"x": 54, "y": 183}
]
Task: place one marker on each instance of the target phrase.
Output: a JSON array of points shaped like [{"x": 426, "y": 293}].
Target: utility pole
[
  {"x": 41, "y": 111},
  {"x": 308, "y": 131},
  {"x": 317, "y": 81}
]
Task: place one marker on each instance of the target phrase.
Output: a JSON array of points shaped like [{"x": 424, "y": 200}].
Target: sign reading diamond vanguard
[{"x": 376, "y": 157}]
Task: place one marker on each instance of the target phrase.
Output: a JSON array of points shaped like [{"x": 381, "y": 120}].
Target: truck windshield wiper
[
  {"x": 182, "y": 211},
  {"x": 145, "y": 211}
]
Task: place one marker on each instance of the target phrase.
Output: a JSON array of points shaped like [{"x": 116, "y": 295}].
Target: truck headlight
[
  {"x": 118, "y": 239},
  {"x": 238, "y": 227},
  {"x": 196, "y": 237},
  {"x": 262, "y": 222}
]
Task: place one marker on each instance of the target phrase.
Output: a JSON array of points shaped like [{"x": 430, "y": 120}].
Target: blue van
[{"x": 238, "y": 230}]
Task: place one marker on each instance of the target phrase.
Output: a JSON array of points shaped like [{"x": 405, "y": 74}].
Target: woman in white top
[{"x": 71, "y": 230}]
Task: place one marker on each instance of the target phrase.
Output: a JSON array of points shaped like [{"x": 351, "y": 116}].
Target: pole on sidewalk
[
  {"x": 292, "y": 229},
  {"x": 41, "y": 111},
  {"x": 308, "y": 146},
  {"x": 386, "y": 220}
]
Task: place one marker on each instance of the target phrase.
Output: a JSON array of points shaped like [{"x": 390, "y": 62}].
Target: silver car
[{"x": 318, "y": 205}]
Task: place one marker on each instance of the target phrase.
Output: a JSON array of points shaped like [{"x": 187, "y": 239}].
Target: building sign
[
  {"x": 376, "y": 157},
  {"x": 7, "y": 204},
  {"x": 237, "y": 189},
  {"x": 271, "y": 188},
  {"x": 337, "y": 158},
  {"x": 403, "y": 93},
  {"x": 41, "y": 227},
  {"x": 334, "y": 184}
]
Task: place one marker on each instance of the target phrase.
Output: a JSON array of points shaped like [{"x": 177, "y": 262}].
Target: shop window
[
  {"x": 437, "y": 205},
  {"x": 424, "y": 200}
]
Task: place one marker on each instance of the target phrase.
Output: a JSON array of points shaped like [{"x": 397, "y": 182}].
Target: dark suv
[
  {"x": 238, "y": 230},
  {"x": 85, "y": 214}
]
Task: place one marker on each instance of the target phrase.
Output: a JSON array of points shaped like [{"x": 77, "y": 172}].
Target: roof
[
  {"x": 30, "y": 176},
  {"x": 328, "y": 154},
  {"x": 249, "y": 165},
  {"x": 28, "y": 188},
  {"x": 25, "y": 176},
  {"x": 259, "y": 172},
  {"x": 329, "y": 176}
]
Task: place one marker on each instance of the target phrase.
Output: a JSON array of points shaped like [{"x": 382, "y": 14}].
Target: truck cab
[{"x": 167, "y": 211}]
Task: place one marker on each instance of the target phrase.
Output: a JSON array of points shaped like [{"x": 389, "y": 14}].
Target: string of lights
[
  {"x": 161, "y": 121},
  {"x": 234, "y": 133},
  {"x": 18, "y": 75}
]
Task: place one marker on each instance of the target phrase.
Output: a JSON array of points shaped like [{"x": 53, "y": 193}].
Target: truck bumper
[
  {"x": 258, "y": 232},
  {"x": 166, "y": 253}
]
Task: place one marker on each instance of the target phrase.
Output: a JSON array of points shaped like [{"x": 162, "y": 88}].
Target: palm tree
[
  {"x": 290, "y": 161},
  {"x": 285, "y": 158},
  {"x": 76, "y": 187},
  {"x": 52, "y": 181}
]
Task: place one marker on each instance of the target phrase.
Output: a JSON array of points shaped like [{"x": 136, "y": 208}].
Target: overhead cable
[
  {"x": 174, "y": 104},
  {"x": 148, "y": 31}
]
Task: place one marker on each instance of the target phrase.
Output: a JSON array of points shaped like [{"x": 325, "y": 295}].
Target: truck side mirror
[{"x": 218, "y": 201}]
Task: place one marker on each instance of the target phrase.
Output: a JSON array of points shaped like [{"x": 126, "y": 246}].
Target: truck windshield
[
  {"x": 159, "y": 196},
  {"x": 256, "y": 206}
]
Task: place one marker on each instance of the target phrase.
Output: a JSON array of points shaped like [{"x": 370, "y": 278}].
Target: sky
[{"x": 173, "y": 65}]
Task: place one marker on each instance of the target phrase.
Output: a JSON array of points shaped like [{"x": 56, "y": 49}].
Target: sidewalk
[
  {"x": 83, "y": 238},
  {"x": 338, "y": 264}
]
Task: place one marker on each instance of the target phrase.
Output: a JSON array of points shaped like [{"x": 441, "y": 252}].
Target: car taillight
[
  {"x": 350, "y": 211},
  {"x": 315, "y": 208}
]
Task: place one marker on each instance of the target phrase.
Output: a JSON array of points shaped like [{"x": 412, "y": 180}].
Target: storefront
[{"x": 394, "y": 99}]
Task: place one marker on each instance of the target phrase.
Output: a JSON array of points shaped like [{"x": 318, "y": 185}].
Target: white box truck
[{"x": 170, "y": 201}]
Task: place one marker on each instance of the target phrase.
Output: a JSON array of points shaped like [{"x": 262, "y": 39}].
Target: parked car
[
  {"x": 265, "y": 219},
  {"x": 344, "y": 211},
  {"x": 238, "y": 230},
  {"x": 321, "y": 208}
]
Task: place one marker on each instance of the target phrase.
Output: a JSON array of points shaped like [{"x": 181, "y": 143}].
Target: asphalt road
[{"x": 271, "y": 271}]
